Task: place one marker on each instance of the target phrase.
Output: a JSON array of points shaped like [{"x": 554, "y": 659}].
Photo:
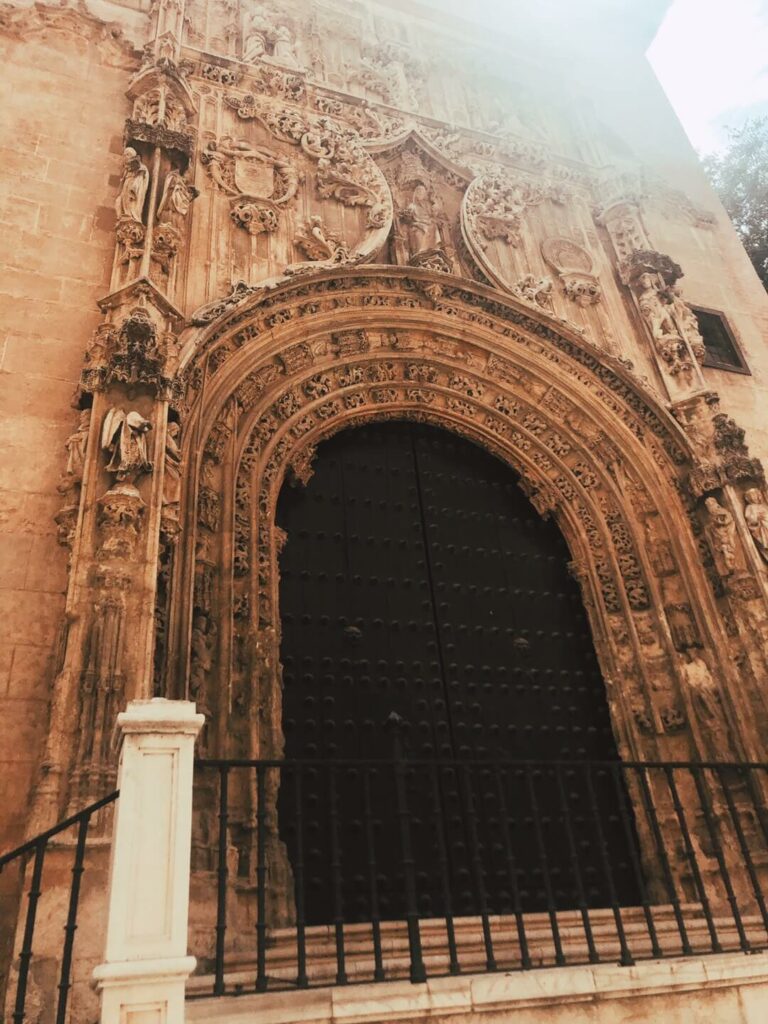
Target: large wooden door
[{"x": 418, "y": 579}]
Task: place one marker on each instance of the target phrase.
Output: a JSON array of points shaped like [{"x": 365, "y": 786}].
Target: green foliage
[{"x": 740, "y": 177}]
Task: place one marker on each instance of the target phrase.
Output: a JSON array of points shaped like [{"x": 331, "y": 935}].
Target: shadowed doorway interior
[{"x": 418, "y": 579}]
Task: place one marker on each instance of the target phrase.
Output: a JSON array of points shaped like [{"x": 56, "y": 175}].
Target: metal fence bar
[
  {"x": 302, "y": 981},
  {"x": 715, "y": 840},
  {"x": 745, "y": 850},
  {"x": 445, "y": 878},
  {"x": 221, "y": 875},
  {"x": 690, "y": 854},
  {"x": 667, "y": 832},
  {"x": 71, "y": 926},
  {"x": 626, "y": 955},
  {"x": 576, "y": 869},
  {"x": 29, "y": 929},
  {"x": 261, "y": 880},
  {"x": 656, "y": 949}
]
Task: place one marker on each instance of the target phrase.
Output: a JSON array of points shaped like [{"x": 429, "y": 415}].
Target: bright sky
[{"x": 711, "y": 57}]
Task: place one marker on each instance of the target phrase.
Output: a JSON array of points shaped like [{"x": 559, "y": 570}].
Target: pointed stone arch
[{"x": 279, "y": 371}]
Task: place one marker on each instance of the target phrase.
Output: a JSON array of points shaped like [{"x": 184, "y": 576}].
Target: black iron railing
[
  {"x": 73, "y": 831},
  {"x": 331, "y": 872}
]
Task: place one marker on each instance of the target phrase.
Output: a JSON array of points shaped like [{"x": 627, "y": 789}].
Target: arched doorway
[{"x": 418, "y": 579}]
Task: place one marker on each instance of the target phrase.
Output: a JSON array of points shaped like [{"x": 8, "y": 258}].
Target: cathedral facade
[{"x": 240, "y": 234}]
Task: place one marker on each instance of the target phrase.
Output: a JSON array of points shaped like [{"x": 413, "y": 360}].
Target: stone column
[{"x": 146, "y": 963}]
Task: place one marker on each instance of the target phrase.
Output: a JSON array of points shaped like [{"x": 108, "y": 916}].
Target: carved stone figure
[
  {"x": 756, "y": 518},
  {"x": 706, "y": 701},
  {"x": 76, "y": 444},
  {"x": 133, "y": 187},
  {"x": 172, "y": 472},
  {"x": 318, "y": 243},
  {"x": 537, "y": 291},
  {"x": 285, "y": 50},
  {"x": 124, "y": 438},
  {"x": 687, "y": 321},
  {"x": 256, "y": 35},
  {"x": 721, "y": 530},
  {"x": 175, "y": 199},
  {"x": 420, "y": 216},
  {"x": 657, "y": 314}
]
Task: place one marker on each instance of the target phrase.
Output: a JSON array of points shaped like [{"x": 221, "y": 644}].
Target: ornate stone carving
[
  {"x": 389, "y": 71},
  {"x": 172, "y": 475},
  {"x": 134, "y": 353},
  {"x": 536, "y": 291},
  {"x": 495, "y": 205},
  {"x": 133, "y": 187},
  {"x": 76, "y": 445},
  {"x": 258, "y": 181},
  {"x": 124, "y": 438},
  {"x": 119, "y": 518},
  {"x": 707, "y": 703},
  {"x": 575, "y": 269},
  {"x": 756, "y": 518},
  {"x": 721, "y": 530},
  {"x": 318, "y": 243}
]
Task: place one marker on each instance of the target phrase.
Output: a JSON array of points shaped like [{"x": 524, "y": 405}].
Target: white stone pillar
[{"x": 146, "y": 964}]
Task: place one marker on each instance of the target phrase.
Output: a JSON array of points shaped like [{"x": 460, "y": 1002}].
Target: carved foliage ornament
[
  {"x": 494, "y": 206},
  {"x": 345, "y": 171}
]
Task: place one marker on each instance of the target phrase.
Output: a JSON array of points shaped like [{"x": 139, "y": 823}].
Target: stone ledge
[{"x": 689, "y": 986}]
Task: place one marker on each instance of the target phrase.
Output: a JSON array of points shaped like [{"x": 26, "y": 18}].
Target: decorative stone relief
[
  {"x": 123, "y": 437},
  {"x": 721, "y": 530},
  {"x": 72, "y": 479},
  {"x": 495, "y": 205},
  {"x": 756, "y": 518},
  {"x": 537, "y": 292},
  {"x": 575, "y": 269},
  {"x": 258, "y": 181},
  {"x": 318, "y": 243},
  {"x": 129, "y": 206}
]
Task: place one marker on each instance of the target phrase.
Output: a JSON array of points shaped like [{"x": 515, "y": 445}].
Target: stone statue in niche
[
  {"x": 133, "y": 187},
  {"x": 76, "y": 445},
  {"x": 285, "y": 50},
  {"x": 172, "y": 473},
  {"x": 756, "y": 518},
  {"x": 124, "y": 438},
  {"x": 175, "y": 199},
  {"x": 257, "y": 32},
  {"x": 687, "y": 321},
  {"x": 706, "y": 702},
  {"x": 721, "y": 530},
  {"x": 421, "y": 218},
  {"x": 657, "y": 314}
]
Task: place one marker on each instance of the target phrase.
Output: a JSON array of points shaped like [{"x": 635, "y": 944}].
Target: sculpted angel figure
[
  {"x": 722, "y": 534},
  {"x": 124, "y": 437},
  {"x": 756, "y": 518},
  {"x": 133, "y": 187}
]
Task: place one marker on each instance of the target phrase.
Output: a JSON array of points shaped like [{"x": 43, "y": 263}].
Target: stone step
[{"x": 240, "y": 973}]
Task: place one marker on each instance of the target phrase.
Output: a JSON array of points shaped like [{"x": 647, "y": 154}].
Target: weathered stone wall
[{"x": 62, "y": 111}]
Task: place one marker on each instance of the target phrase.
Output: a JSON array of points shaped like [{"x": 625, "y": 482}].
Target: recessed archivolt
[
  {"x": 267, "y": 323},
  {"x": 594, "y": 459}
]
